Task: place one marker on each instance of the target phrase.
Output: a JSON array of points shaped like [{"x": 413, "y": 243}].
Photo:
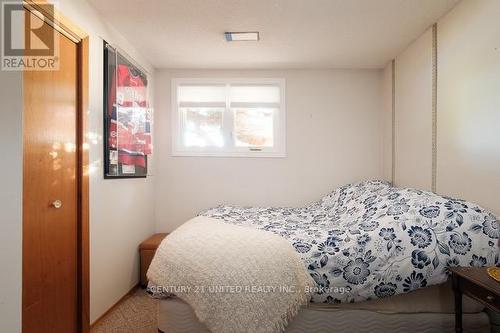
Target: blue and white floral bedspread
[{"x": 371, "y": 240}]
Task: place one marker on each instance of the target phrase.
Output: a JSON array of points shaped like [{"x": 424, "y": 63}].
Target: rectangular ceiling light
[{"x": 242, "y": 36}]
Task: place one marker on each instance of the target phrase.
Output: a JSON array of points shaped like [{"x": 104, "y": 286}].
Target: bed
[
  {"x": 375, "y": 252},
  {"x": 427, "y": 310}
]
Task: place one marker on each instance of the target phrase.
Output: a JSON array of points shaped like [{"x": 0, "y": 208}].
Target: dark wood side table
[
  {"x": 477, "y": 284},
  {"x": 147, "y": 250}
]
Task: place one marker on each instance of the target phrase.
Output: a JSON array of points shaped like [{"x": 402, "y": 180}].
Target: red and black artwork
[{"x": 127, "y": 119}]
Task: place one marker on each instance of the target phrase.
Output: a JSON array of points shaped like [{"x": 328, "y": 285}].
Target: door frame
[{"x": 70, "y": 30}]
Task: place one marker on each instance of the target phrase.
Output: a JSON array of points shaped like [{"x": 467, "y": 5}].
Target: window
[{"x": 228, "y": 117}]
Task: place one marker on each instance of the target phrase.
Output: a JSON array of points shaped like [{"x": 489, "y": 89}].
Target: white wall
[
  {"x": 387, "y": 122},
  {"x": 468, "y": 123},
  {"x": 11, "y": 178},
  {"x": 413, "y": 115},
  {"x": 333, "y": 137},
  {"x": 468, "y": 106},
  {"x": 121, "y": 211}
]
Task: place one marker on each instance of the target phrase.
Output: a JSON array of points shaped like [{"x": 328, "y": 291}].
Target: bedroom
[{"x": 370, "y": 121}]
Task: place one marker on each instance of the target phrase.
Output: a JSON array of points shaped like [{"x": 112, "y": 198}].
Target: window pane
[
  {"x": 254, "y": 127},
  {"x": 203, "y": 127},
  {"x": 255, "y": 94},
  {"x": 209, "y": 93}
]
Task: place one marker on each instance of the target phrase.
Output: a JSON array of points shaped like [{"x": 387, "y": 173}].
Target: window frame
[{"x": 279, "y": 121}]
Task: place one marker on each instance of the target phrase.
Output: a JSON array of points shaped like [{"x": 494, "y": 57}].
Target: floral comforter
[{"x": 371, "y": 240}]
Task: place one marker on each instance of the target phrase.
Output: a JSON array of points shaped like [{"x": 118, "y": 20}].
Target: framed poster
[{"x": 127, "y": 117}]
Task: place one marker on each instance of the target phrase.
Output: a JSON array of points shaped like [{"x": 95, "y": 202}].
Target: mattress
[
  {"x": 176, "y": 316},
  {"x": 434, "y": 299}
]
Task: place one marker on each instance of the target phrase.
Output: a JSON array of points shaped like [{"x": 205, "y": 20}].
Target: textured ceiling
[{"x": 294, "y": 33}]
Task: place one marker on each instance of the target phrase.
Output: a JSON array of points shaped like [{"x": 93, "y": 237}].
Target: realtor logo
[{"x": 28, "y": 42}]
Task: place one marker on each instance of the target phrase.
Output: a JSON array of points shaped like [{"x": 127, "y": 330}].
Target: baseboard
[{"x": 123, "y": 298}]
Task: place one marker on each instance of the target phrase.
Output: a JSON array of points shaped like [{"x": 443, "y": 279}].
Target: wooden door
[{"x": 50, "y": 230}]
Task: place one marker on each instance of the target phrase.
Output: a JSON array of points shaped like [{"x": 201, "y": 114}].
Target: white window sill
[{"x": 259, "y": 154}]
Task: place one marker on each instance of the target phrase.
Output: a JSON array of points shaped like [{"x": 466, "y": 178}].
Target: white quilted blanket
[{"x": 235, "y": 278}]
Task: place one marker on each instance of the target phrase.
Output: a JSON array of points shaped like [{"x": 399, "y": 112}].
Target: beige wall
[
  {"x": 413, "y": 115},
  {"x": 121, "y": 211},
  {"x": 333, "y": 137},
  {"x": 468, "y": 106}
]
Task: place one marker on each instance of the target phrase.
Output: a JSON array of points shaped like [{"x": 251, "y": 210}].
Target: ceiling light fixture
[{"x": 242, "y": 36}]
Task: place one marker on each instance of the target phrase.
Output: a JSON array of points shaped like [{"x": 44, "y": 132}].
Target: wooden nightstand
[
  {"x": 477, "y": 284},
  {"x": 147, "y": 250}
]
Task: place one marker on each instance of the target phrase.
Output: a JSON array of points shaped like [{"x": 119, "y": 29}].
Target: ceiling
[{"x": 294, "y": 33}]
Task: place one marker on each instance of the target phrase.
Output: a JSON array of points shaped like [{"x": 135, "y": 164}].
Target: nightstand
[
  {"x": 477, "y": 284},
  {"x": 147, "y": 250}
]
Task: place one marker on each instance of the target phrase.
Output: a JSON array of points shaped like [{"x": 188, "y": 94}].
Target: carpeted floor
[{"x": 136, "y": 314}]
